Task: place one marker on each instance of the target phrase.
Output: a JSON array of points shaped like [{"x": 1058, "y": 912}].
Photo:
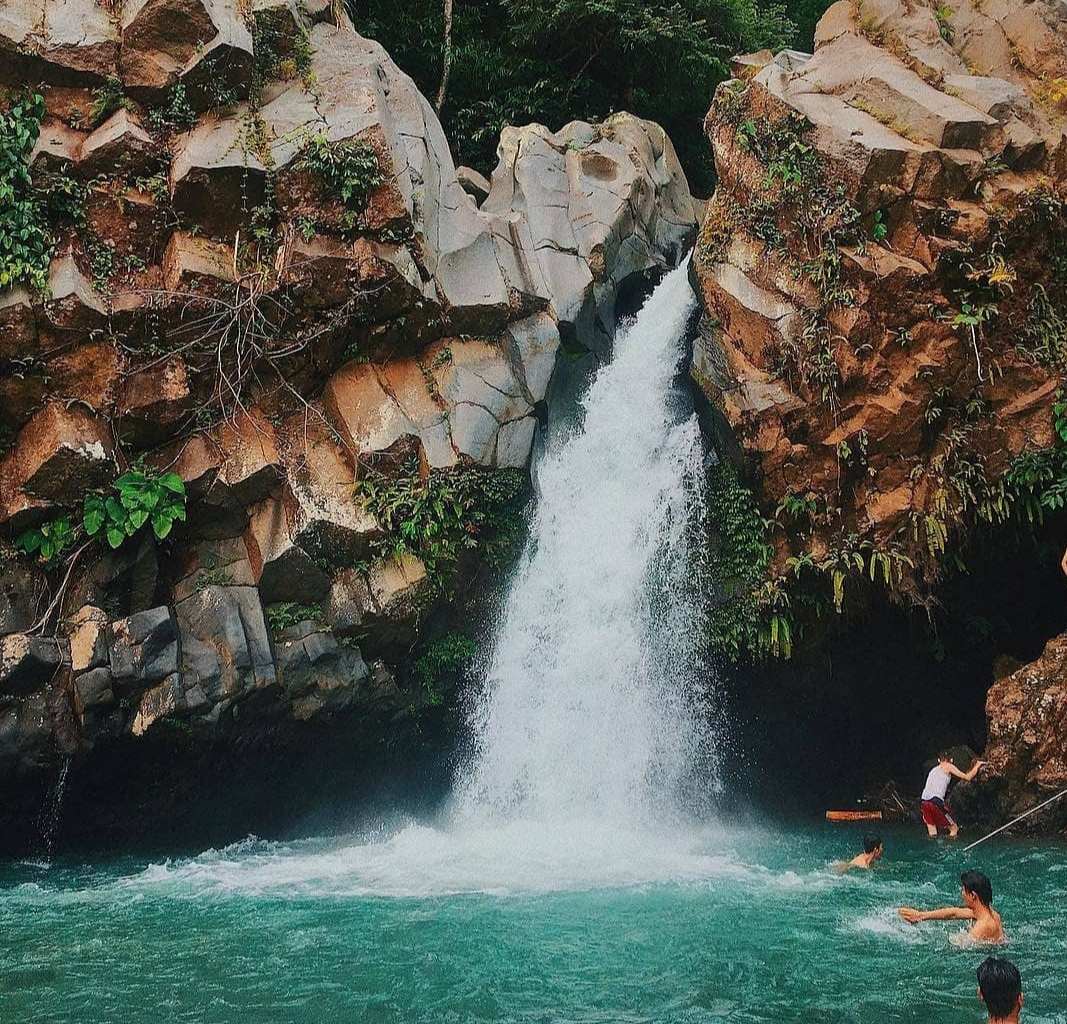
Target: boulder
[
  {"x": 18, "y": 323},
  {"x": 93, "y": 690},
  {"x": 144, "y": 648},
  {"x": 194, "y": 264},
  {"x": 603, "y": 203},
  {"x": 27, "y": 663},
  {"x": 74, "y": 304},
  {"x": 282, "y": 570},
  {"x": 154, "y": 401},
  {"x": 316, "y": 672},
  {"x": 60, "y": 40},
  {"x": 170, "y": 699},
  {"x": 23, "y": 593},
  {"x": 88, "y": 639},
  {"x": 474, "y": 184},
  {"x": 380, "y": 604},
  {"x": 120, "y": 143},
  {"x": 222, "y": 562},
  {"x": 165, "y": 40},
  {"x": 373, "y": 407},
  {"x": 324, "y": 515},
  {"x": 62, "y": 452},
  {"x": 225, "y": 646}
]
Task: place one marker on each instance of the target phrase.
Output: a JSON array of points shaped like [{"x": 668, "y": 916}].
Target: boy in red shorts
[{"x": 936, "y": 814}]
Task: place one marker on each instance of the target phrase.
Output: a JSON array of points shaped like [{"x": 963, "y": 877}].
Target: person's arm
[
  {"x": 913, "y": 916},
  {"x": 966, "y": 776}
]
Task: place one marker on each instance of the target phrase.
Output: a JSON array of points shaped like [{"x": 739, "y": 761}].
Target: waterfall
[
  {"x": 591, "y": 734},
  {"x": 590, "y": 704}
]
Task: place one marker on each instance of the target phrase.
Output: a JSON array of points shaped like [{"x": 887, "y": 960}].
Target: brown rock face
[
  {"x": 221, "y": 306},
  {"x": 1027, "y": 749},
  {"x": 884, "y": 273}
]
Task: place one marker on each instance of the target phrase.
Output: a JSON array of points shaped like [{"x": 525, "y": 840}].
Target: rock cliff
[
  {"x": 1027, "y": 749},
  {"x": 884, "y": 275},
  {"x": 252, "y": 329}
]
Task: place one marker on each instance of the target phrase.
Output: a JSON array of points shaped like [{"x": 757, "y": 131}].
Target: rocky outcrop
[
  {"x": 266, "y": 277},
  {"x": 883, "y": 274},
  {"x": 1027, "y": 750}
]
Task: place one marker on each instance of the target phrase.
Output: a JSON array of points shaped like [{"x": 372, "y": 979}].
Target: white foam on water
[
  {"x": 517, "y": 857},
  {"x": 887, "y": 924}
]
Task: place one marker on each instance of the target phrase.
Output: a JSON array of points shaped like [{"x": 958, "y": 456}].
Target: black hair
[
  {"x": 871, "y": 843},
  {"x": 979, "y": 884},
  {"x": 1000, "y": 985}
]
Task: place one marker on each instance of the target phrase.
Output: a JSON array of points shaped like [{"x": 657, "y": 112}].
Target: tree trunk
[{"x": 446, "y": 66}]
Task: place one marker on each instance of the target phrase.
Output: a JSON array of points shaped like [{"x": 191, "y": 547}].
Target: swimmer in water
[
  {"x": 873, "y": 848},
  {"x": 1001, "y": 989},
  {"x": 977, "y": 893}
]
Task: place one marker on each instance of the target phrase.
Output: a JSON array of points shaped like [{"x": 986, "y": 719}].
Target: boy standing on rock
[{"x": 936, "y": 814}]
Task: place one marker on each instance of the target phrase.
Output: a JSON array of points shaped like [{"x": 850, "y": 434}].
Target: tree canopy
[{"x": 517, "y": 61}]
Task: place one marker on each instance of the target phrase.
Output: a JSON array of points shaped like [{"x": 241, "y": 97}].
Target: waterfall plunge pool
[
  {"x": 556, "y": 889},
  {"x": 523, "y": 924}
]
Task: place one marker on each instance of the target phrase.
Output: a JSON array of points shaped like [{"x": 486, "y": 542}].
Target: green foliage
[
  {"x": 453, "y": 511},
  {"x": 348, "y": 171},
  {"x": 283, "y": 615},
  {"x": 797, "y": 509},
  {"x": 107, "y": 98},
  {"x": 943, "y": 13},
  {"x": 102, "y": 264},
  {"x": 25, "y": 242},
  {"x": 141, "y": 496},
  {"x": 138, "y": 498},
  {"x": 751, "y": 617},
  {"x": 879, "y": 229},
  {"x": 278, "y": 53},
  {"x": 175, "y": 115},
  {"x": 446, "y": 656},
  {"x": 551, "y": 61},
  {"x": 1044, "y": 333},
  {"x": 47, "y": 541},
  {"x": 1059, "y": 416}
]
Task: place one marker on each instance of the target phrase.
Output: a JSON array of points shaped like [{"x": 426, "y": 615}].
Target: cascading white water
[
  {"x": 588, "y": 709},
  {"x": 590, "y": 724}
]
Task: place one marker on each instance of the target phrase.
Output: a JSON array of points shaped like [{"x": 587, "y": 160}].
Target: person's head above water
[
  {"x": 976, "y": 888},
  {"x": 1000, "y": 988},
  {"x": 873, "y": 844}
]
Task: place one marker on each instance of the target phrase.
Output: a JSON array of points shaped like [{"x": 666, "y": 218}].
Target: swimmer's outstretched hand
[{"x": 911, "y": 915}]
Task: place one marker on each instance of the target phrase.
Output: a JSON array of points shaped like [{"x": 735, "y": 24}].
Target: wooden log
[{"x": 853, "y": 815}]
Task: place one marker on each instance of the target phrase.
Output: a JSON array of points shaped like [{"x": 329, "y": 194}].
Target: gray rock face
[
  {"x": 317, "y": 672},
  {"x": 144, "y": 648},
  {"x": 602, "y": 202},
  {"x": 226, "y": 649}
]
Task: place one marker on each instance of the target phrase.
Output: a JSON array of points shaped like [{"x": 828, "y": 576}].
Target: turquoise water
[{"x": 523, "y": 924}]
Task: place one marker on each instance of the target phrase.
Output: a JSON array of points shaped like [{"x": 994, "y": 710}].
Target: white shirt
[{"x": 936, "y": 784}]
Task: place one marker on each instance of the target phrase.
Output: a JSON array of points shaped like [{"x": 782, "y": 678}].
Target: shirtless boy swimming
[
  {"x": 977, "y": 893},
  {"x": 873, "y": 848}
]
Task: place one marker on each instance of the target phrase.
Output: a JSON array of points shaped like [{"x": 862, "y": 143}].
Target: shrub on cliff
[{"x": 25, "y": 243}]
